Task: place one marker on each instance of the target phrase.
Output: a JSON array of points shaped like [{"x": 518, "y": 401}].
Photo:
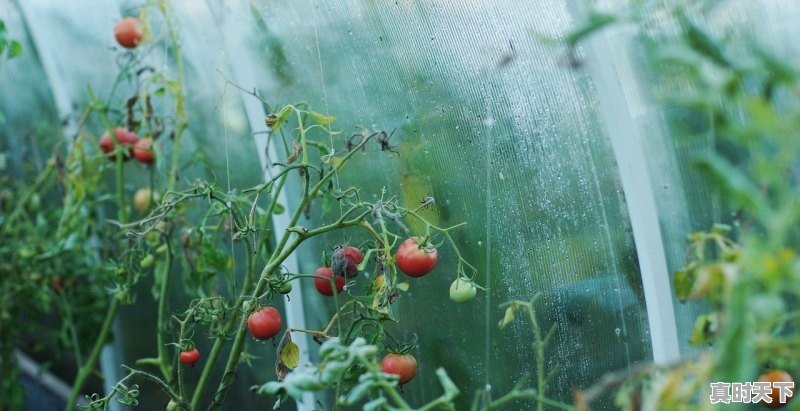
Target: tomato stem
[{"x": 88, "y": 367}]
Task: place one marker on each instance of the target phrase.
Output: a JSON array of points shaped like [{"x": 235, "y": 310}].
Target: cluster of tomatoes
[
  {"x": 412, "y": 258},
  {"x": 129, "y": 34},
  {"x": 140, "y": 149}
]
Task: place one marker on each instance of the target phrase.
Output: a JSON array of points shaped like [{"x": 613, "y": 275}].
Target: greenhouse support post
[
  {"x": 627, "y": 143},
  {"x": 34, "y": 18}
]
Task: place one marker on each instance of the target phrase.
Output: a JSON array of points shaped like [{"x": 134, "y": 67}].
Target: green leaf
[
  {"x": 701, "y": 42},
  {"x": 290, "y": 354},
  {"x": 321, "y": 118},
  {"x": 684, "y": 283},
  {"x": 704, "y": 329},
  {"x": 732, "y": 181},
  {"x": 595, "y": 22},
  {"x": 15, "y": 50},
  {"x": 276, "y": 121}
]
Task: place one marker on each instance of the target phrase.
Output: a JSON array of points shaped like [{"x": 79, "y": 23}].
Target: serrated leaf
[{"x": 290, "y": 354}]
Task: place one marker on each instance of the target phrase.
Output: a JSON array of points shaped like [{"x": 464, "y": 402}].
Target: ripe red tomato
[
  {"x": 401, "y": 365},
  {"x": 323, "y": 283},
  {"x": 264, "y": 323},
  {"x": 124, "y": 137},
  {"x": 189, "y": 357},
  {"x": 415, "y": 261},
  {"x": 771, "y": 377},
  {"x": 345, "y": 261},
  {"x": 128, "y": 32},
  {"x": 143, "y": 151}
]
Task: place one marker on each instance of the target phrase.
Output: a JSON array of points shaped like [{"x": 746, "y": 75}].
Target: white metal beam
[{"x": 602, "y": 60}]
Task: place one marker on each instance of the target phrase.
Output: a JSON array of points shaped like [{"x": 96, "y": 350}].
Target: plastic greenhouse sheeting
[{"x": 490, "y": 121}]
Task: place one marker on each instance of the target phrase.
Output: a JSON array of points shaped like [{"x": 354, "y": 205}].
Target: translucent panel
[
  {"x": 20, "y": 124},
  {"x": 76, "y": 49},
  {"x": 673, "y": 137},
  {"x": 511, "y": 145}
]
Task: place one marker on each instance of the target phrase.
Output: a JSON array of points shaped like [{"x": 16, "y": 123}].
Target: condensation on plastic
[{"x": 506, "y": 137}]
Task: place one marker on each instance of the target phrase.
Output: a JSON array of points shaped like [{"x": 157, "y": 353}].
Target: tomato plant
[
  {"x": 264, "y": 323},
  {"x": 404, "y": 366},
  {"x": 190, "y": 357},
  {"x": 323, "y": 283},
  {"x": 416, "y": 260},
  {"x": 128, "y": 32}
]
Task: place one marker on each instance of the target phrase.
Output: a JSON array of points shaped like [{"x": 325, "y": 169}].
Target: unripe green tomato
[
  {"x": 462, "y": 290},
  {"x": 26, "y": 253},
  {"x": 147, "y": 261},
  {"x": 35, "y": 202},
  {"x": 284, "y": 287}
]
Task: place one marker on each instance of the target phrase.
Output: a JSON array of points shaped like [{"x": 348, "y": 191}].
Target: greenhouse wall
[{"x": 573, "y": 174}]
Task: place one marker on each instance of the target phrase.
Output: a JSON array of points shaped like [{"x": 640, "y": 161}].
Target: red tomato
[
  {"x": 345, "y": 261},
  {"x": 264, "y": 323},
  {"x": 415, "y": 261},
  {"x": 124, "y": 137},
  {"x": 401, "y": 365},
  {"x": 323, "y": 282},
  {"x": 143, "y": 151},
  {"x": 189, "y": 357},
  {"x": 772, "y": 377},
  {"x": 128, "y": 32}
]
